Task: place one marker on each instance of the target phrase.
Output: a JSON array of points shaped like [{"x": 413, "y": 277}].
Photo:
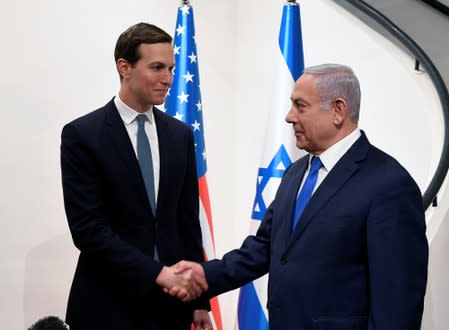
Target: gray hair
[{"x": 334, "y": 81}]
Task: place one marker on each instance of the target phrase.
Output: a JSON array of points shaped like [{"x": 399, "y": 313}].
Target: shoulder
[
  {"x": 90, "y": 123},
  {"x": 382, "y": 161},
  {"x": 171, "y": 123},
  {"x": 94, "y": 117},
  {"x": 162, "y": 117},
  {"x": 387, "y": 171},
  {"x": 377, "y": 167}
]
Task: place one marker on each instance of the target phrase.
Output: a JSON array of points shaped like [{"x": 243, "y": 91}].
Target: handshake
[{"x": 185, "y": 280}]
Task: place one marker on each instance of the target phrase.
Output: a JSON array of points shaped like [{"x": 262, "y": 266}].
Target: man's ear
[
  {"x": 340, "y": 111},
  {"x": 123, "y": 67}
]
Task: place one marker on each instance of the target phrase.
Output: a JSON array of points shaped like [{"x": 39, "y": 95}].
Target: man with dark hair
[
  {"x": 344, "y": 241},
  {"x": 131, "y": 198},
  {"x": 142, "y": 33},
  {"x": 49, "y": 323}
]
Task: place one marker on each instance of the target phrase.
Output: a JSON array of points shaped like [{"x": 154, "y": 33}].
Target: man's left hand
[{"x": 202, "y": 320}]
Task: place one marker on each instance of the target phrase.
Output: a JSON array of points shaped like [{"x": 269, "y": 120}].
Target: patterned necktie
[
  {"x": 306, "y": 190},
  {"x": 146, "y": 161}
]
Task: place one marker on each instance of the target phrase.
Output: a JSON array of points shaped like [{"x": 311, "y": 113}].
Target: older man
[{"x": 344, "y": 240}]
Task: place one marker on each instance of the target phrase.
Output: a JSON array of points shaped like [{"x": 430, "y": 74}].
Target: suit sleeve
[
  {"x": 397, "y": 257},
  {"x": 124, "y": 264},
  {"x": 241, "y": 266}
]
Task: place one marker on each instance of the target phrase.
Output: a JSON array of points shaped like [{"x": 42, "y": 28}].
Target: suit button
[{"x": 283, "y": 261}]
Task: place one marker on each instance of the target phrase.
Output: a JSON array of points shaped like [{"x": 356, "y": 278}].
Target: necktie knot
[
  {"x": 316, "y": 164},
  {"x": 141, "y": 119}
]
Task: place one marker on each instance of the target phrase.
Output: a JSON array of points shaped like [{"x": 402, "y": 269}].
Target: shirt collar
[
  {"x": 128, "y": 114},
  {"x": 332, "y": 155}
]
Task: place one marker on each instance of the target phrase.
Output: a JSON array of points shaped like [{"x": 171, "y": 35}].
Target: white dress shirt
[
  {"x": 128, "y": 116},
  {"x": 331, "y": 156}
]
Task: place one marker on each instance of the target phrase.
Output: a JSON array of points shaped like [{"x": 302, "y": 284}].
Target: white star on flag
[
  {"x": 188, "y": 77},
  {"x": 180, "y": 30},
  {"x": 179, "y": 116},
  {"x": 196, "y": 126},
  {"x": 192, "y": 57},
  {"x": 176, "y": 50},
  {"x": 199, "y": 106},
  {"x": 183, "y": 97},
  {"x": 185, "y": 10}
]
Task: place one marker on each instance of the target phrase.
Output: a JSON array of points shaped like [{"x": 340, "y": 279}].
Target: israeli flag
[{"x": 279, "y": 151}]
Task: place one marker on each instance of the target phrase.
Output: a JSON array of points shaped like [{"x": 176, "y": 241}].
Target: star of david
[{"x": 264, "y": 175}]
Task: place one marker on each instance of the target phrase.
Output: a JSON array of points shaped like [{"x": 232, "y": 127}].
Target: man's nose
[
  {"x": 167, "y": 78},
  {"x": 289, "y": 118}
]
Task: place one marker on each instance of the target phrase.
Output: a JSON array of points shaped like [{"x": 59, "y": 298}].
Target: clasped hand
[{"x": 185, "y": 280}]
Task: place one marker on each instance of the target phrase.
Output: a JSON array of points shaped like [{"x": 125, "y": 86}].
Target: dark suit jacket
[
  {"x": 111, "y": 222},
  {"x": 357, "y": 259}
]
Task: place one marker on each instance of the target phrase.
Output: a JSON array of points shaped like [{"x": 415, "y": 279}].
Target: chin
[{"x": 300, "y": 145}]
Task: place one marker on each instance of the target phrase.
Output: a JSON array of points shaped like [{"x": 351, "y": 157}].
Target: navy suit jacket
[
  {"x": 356, "y": 260},
  {"x": 112, "y": 225}
]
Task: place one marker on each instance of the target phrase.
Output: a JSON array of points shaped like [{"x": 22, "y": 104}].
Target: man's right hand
[{"x": 185, "y": 280}]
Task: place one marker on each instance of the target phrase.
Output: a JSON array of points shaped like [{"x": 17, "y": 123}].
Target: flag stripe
[
  {"x": 215, "y": 307},
  {"x": 184, "y": 103},
  {"x": 290, "y": 39},
  {"x": 250, "y": 315},
  {"x": 204, "y": 196}
]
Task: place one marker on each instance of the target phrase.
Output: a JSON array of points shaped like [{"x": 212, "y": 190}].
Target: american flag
[
  {"x": 279, "y": 150},
  {"x": 184, "y": 103}
]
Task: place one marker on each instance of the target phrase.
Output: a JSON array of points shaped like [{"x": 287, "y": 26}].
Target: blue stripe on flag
[
  {"x": 250, "y": 313},
  {"x": 290, "y": 39}
]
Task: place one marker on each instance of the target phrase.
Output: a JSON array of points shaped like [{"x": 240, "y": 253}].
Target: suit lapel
[
  {"x": 119, "y": 137},
  {"x": 336, "y": 178},
  {"x": 291, "y": 191}
]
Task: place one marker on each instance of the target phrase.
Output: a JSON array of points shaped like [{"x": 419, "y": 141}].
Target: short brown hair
[{"x": 141, "y": 33}]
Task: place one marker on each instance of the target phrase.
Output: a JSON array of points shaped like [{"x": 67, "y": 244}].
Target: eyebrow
[
  {"x": 162, "y": 63},
  {"x": 299, "y": 99}
]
